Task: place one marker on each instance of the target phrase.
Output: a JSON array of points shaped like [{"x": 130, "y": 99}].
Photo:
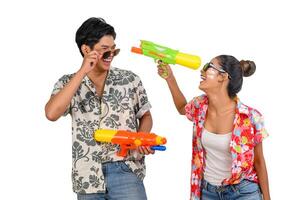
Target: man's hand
[
  {"x": 90, "y": 61},
  {"x": 145, "y": 150}
]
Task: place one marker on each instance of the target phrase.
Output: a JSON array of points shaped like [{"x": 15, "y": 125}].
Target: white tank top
[{"x": 218, "y": 157}]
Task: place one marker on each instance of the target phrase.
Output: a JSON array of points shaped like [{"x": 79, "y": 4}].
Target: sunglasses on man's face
[
  {"x": 211, "y": 65},
  {"x": 107, "y": 54}
]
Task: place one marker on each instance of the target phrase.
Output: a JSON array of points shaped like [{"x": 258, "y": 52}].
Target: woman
[{"x": 227, "y": 160}]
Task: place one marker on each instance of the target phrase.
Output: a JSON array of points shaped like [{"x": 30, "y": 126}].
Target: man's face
[{"x": 105, "y": 44}]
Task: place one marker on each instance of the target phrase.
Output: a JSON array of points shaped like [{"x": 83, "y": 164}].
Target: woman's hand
[{"x": 164, "y": 70}]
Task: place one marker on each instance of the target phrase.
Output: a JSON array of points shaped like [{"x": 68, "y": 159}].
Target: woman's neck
[{"x": 220, "y": 103}]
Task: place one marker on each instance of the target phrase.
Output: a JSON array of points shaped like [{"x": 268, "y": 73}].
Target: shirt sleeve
[
  {"x": 191, "y": 106},
  {"x": 58, "y": 86},
  {"x": 189, "y": 110},
  {"x": 142, "y": 104},
  {"x": 260, "y": 131}
]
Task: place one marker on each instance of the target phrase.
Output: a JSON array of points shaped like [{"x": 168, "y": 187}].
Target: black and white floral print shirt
[{"x": 123, "y": 102}]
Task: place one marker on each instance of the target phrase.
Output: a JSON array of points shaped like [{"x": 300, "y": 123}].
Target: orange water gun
[{"x": 130, "y": 140}]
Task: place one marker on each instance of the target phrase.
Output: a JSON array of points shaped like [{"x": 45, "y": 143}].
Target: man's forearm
[
  {"x": 58, "y": 104},
  {"x": 145, "y": 122}
]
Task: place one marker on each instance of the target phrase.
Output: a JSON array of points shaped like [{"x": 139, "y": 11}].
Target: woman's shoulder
[
  {"x": 199, "y": 100},
  {"x": 251, "y": 112}
]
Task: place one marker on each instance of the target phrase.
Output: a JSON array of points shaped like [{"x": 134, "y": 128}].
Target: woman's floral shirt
[{"x": 248, "y": 130}]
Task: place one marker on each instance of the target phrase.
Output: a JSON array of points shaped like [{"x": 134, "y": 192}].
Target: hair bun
[{"x": 248, "y": 67}]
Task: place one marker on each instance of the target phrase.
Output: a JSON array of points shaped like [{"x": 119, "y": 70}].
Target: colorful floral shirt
[
  {"x": 123, "y": 102},
  {"x": 248, "y": 130}
]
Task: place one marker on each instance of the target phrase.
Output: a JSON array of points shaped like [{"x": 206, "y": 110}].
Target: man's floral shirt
[{"x": 123, "y": 102}]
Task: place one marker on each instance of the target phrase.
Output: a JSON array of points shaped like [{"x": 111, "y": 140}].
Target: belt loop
[
  {"x": 103, "y": 168},
  {"x": 234, "y": 188},
  {"x": 205, "y": 184}
]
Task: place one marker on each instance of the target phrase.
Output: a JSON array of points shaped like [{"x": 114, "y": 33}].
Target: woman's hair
[
  {"x": 236, "y": 69},
  {"x": 91, "y": 31}
]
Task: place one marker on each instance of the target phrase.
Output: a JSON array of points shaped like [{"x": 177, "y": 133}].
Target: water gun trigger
[{"x": 124, "y": 149}]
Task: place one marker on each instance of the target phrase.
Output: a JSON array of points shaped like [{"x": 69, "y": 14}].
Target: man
[{"x": 99, "y": 96}]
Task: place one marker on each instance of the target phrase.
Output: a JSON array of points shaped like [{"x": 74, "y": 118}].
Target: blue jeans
[
  {"x": 245, "y": 190},
  {"x": 121, "y": 184}
]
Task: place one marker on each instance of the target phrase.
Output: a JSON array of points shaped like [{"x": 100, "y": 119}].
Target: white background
[{"x": 38, "y": 47}]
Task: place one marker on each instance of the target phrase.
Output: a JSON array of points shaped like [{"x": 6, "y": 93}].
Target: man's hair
[{"x": 91, "y": 31}]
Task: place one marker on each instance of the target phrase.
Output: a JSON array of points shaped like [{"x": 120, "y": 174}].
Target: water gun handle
[
  {"x": 163, "y": 66},
  {"x": 124, "y": 148},
  {"x": 123, "y": 151}
]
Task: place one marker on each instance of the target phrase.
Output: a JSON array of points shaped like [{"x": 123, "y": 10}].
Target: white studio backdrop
[{"x": 38, "y": 46}]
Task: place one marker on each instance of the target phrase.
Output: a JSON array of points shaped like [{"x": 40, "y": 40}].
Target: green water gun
[{"x": 167, "y": 56}]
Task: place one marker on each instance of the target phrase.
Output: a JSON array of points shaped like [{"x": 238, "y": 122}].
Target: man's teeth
[{"x": 107, "y": 60}]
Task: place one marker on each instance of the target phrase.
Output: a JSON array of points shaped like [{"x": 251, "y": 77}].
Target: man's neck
[
  {"x": 98, "y": 78},
  {"x": 97, "y": 75}
]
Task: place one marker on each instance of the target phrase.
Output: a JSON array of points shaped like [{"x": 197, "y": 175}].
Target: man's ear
[{"x": 85, "y": 49}]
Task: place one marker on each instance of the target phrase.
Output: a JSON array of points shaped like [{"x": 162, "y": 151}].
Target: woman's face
[{"x": 211, "y": 76}]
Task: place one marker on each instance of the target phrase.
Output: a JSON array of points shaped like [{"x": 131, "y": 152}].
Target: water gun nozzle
[{"x": 136, "y": 50}]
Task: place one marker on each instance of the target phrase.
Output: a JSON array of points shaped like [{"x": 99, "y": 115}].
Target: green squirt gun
[{"x": 164, "y": 55}]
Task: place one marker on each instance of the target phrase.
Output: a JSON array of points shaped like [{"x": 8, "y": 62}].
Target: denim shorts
[
  {"x": 121, "y": 184},
  {"x": 245, "y": 190}
]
